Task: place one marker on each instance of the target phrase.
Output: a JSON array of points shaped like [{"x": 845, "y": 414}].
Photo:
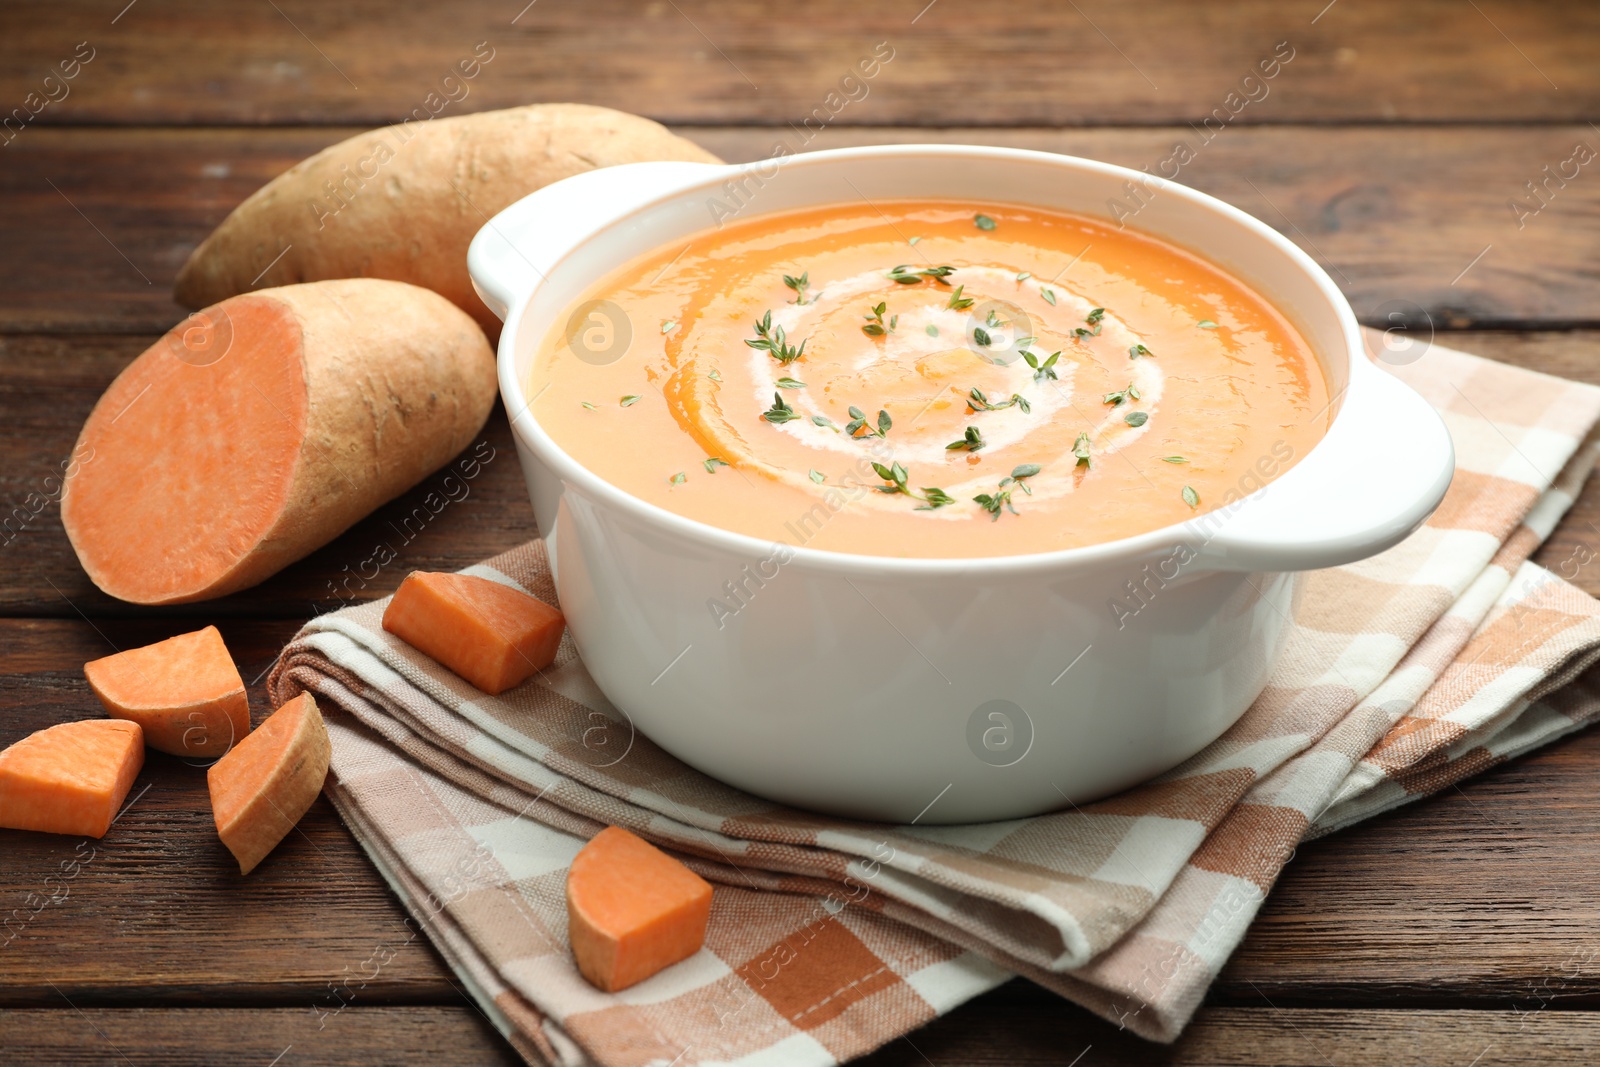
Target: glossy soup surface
[{"x": 939, "y": 323}]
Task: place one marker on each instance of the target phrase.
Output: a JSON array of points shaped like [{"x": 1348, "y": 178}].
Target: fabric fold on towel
[{"x": 1403, "y": 674}]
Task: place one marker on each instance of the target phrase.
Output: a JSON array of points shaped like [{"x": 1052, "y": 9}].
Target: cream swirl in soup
[{"x": 931, "y": 379}]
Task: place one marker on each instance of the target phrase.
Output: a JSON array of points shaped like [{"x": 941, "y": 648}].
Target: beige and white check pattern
[{"x": 1403, "y": 674}]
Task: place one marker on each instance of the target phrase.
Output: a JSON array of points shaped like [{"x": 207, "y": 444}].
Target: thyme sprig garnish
[
  {"x": 789, "y": 383},
  {"x": 1122, "y": 396},
  {"x": 712, "y": 463},
  {"x": 799, "y": 285},
  {"x": 780, "y": 411},
  {"x": 1000, "y": 499},
  {"x": 825, "y": 422},
  {"x": 977, "y": 401},
  {"x": 1139, "y": 350},
  {"x": 1080, "y": 448},
  {"x": 957, "y": 301},
  {"x": 1093, "y": 327},
  {"x": 1191, "y": 497},
  {"x": 906, "y": 274},
  {"x": 1136, "y": 419},
  {"x": 858, "y": 421},
  {"x": 972, "y": 441},
  {"x": 875, "y": 326},
  {"x": 1042, "y": 368},
  {"x": 1049, "y": 295},
  {"x": 771, "y": 339},
  {"x": 896, "y": 475}
]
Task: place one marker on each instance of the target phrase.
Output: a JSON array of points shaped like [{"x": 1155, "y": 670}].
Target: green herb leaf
[
  {"x": 790, "y": 383},
  {"x": 1136, "y": 418},
  {"x": 799, "y": 286},
  {"x": 1080, "y": 448},
  {"x": 1122, "y": 396},
  {"x": 934, "y": 498},
  {"x": 588, "y": 405},
  {"x": 713, "y": 463},
  {"x": 679, "y": 478},
  {"x": 1139, "y": 350},
  {"x": 913, "y": 240},
  {"x": 1094, "y": 317},
  {"x": 780, "y": 411},
  {"x": 884, "y": 423},
  {"x": 977, "y": 401},
  {"x": 667, "y": 326},
  {"x": 825, "y": 422},
  {"x": 972, "y": 441},
  {"x": 1049, "y": 296},
  {"x": 818, "y": 477},
  {"x": 1042, "y": 369},
  {"x": 957, "y": 301},
  {"x": 630, "y": 400},
  {"x": 1206, "y": 324},
  {"x": 981, "y": 336},
  {"x": 1191, "y": 497},
  {"x": 1173, "y": 459},
  {"x": 931, "y": 330},
  {"x": 906, "y": 274},
  {"x": 1027, "y": 470},
  {"x": 983, "y": 222},
  {"x": 771, "y": 339},
  {"x": 1024, "y": 275},
  {"x": 875, "y": 326}
]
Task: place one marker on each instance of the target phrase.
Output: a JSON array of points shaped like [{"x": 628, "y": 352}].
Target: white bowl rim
[{"x": 862, "y": 564}]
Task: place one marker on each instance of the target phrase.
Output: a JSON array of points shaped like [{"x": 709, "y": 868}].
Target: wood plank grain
[
  {"x": 157, "y": 908},
  {"x": 168, "y": 1037},
  {"x": 1479, "y": 896},
  {"x": 996, "y": 1029},
  {"x": 48, "y": 384},
  {"x": 1002, "y": 1028},
  {"x": 1414, "y": 223},
  {"x": 693, "y": 61}
]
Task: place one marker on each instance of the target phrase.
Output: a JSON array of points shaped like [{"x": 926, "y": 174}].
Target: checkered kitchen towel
[{"x": 1404, "y": 673}]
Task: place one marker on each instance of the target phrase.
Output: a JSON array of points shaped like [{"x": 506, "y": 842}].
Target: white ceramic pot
[{"x": 941, "y": 690}]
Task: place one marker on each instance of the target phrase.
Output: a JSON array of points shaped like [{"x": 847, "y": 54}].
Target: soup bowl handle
[
  {"x": 1379, "y": 473},
  {"x": 516, "y": 249}
]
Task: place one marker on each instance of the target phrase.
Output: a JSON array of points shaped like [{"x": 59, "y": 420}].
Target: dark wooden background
[{"x": 1461, "y": 930}]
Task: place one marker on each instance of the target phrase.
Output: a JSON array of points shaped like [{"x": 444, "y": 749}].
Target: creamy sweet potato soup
[{"x": 929, "y": 378}]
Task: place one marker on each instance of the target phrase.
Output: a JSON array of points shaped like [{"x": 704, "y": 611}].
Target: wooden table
[{"x": 1392, "y": 146}]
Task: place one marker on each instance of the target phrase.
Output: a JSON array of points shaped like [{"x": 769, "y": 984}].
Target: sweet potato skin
[
  {"x": 396, "y": 381},
  {"x": 403, "y": 202},
  {"x": 292, "y": 779}
]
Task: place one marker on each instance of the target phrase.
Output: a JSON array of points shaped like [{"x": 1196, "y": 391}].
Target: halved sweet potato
[
  {"x": 185, "y": 692},
  {"x": 261, "y": 788},
  {"x": 490, "y": 634},
  {"x": 632, "y": 910},
  {"x": 263, "y": 427},
  {"x": 70, "y": 778}
]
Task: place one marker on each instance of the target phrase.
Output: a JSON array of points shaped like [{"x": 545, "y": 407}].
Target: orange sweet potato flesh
[
  {"x": 185, "y": 692},
  {"x": 490, "y": 634},
  {"x": 263, "y": 427},
  {"x": 632, "y": 910},
  {"x": 260, "y": 789},
  {"x": 70, "y": 778}
]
